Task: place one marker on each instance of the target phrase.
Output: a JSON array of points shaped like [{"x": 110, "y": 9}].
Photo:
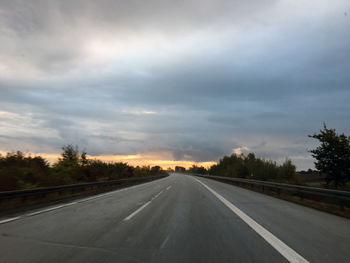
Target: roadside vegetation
[
  {"x": 332, "y": 156},
  {"x": 332, "y": 164},
  {"x": 18, "y": 171},
  {"x": 251, "y": 167}
]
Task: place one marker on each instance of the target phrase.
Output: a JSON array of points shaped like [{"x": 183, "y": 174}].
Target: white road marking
[
  {"x": 50, "y": 209},
  {"x": 115, "y": 191},
  {"x": 78, "y": 201},
  {"x": 282, "y": 248},
  {"x": 157, "y": 195},
  {"x": 165, "y": 241},
  {"x": 142, "y": 207},
  {"x": 9, "y": 220},
  {"x": 168, "y": 187},
  {"x": 97, "y": 196},
  {"x": 137, "y": 211}
]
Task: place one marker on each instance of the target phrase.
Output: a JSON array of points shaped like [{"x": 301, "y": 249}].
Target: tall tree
[
  {"x": 333, "y": 156},
  {"x": 70, "y": 155}
]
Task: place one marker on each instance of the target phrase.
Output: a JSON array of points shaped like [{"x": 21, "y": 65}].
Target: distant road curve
[{"x": 176, "y": 219}]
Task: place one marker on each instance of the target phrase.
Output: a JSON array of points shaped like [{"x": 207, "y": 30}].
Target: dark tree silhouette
[
  {"x": 333, "y": 156},
  {"x": 254, "y": 168}
]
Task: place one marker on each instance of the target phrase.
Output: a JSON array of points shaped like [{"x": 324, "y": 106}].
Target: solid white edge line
[
  {"x": 168, "y": 187},
  {"x": 137, "y": 211},
  {"x": 290, "y": 254},
  {"x": 50, "y": 209},
  {"x": 9, "y": 219}
]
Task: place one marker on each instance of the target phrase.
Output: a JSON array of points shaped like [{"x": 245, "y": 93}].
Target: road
[{"x": 176, "y": 219}]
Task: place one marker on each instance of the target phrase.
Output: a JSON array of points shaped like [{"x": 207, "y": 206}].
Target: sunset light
[{"x": 175, "y": 131}]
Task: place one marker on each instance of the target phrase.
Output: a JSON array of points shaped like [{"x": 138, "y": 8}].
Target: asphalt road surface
[{"x": 176, "y": 219}]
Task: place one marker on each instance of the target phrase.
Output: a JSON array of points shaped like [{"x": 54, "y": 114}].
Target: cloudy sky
[{"x": 173, "y": 81}]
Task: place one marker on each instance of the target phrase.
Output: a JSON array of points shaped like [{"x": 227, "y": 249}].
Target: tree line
[
  {"x": 250, "y": 167},
  {"x": 332, "y": 163},
  {"x": 18, "y": 171}
]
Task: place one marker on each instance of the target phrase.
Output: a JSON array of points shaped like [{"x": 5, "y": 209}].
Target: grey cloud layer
[
  {"x": 47, "y": 34},
  {"x": 219, "y": 75}
]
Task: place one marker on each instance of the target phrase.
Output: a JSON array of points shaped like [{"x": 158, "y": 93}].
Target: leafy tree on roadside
[
  {"x": 288, "y": 171},
  {"x": 156, "y": 169},
  {"x": 197, "y": 170},
  {"x": 243, "y": 171},
  {"x": 21, "y": 171},
  {"x": 250, "y": 166},
  {"x": 68, "y": 170},
  {"x": 83, "y": 159},
  {"x": 333, "y": 156},
  {"x": 70, "y": 155},
  {"x": 18, "y": 171}
]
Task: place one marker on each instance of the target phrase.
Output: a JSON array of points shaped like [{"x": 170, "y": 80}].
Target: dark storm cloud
[{"x": 194, "y": 78}]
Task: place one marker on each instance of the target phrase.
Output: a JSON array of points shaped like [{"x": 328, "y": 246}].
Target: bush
[
  {"x": 18, "y": 171},
  {"x": 254, "y": 168},
  {"x": 198, "y": 170}
]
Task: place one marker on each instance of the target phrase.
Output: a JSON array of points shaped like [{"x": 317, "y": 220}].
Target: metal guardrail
[
  {"x": 46, "y": 190},
  {"x": 344, "y": 195}
]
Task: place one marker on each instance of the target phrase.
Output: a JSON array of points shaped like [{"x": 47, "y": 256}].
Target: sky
[{"x": 173, "y": 82}]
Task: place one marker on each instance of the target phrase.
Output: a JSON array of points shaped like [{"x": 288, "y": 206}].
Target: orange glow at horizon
[{"x": 133, "y": 159}]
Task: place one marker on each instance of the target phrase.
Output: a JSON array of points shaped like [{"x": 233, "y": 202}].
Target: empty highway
[{"x": 176, "y": 219}]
